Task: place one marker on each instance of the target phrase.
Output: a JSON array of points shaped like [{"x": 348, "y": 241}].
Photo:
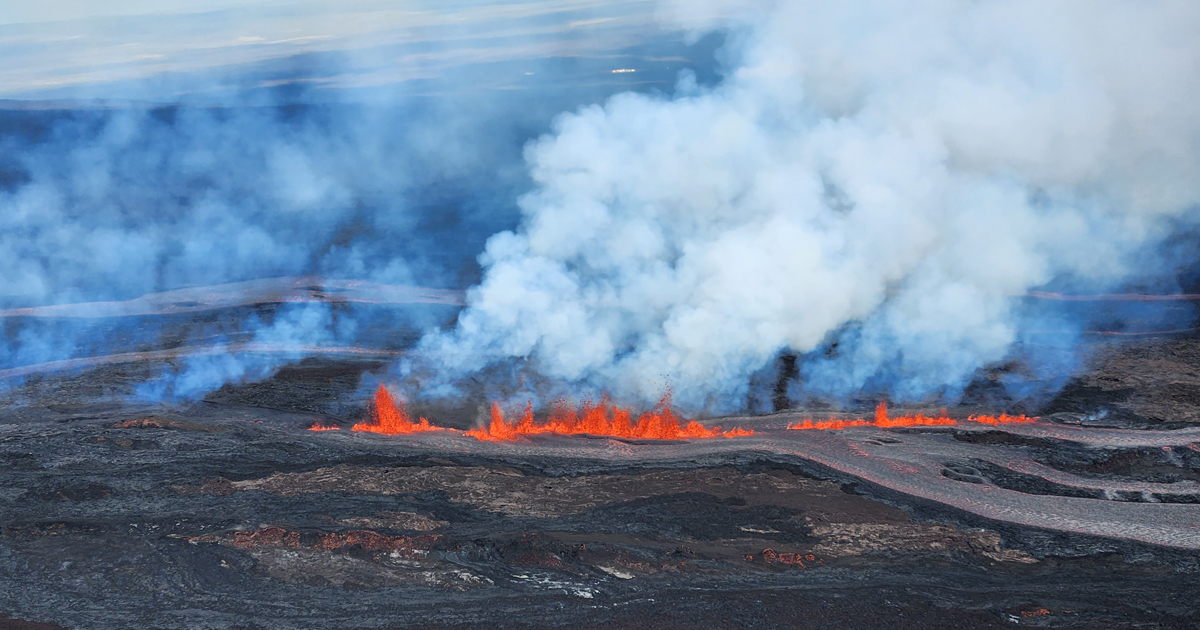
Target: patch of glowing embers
[
  {"x": 604, "y": 419},
  {"x": 883, "y": 420}
]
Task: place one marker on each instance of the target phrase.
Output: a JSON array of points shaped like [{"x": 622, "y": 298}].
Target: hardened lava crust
[{"x": 231, "y": 513}]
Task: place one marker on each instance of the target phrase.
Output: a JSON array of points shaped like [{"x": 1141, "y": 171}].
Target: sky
[{"x": 68, "y": 49}]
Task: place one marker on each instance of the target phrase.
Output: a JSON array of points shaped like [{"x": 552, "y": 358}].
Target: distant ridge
[{"x": 12, "y": 104}]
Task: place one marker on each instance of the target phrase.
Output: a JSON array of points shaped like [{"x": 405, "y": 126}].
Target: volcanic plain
[{"x": 228, "y": 512}]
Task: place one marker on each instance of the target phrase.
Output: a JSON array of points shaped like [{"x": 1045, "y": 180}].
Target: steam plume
[
  {"x": 204, "y": 144},
  {"x": 116, "y": 204},
  {"x": 890, "y": 176}
]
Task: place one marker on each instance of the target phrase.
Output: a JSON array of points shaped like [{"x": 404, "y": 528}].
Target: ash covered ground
[{"x": 228, "y": 513}]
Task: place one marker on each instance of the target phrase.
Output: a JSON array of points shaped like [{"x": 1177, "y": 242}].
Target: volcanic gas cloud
[
  {"x": 888, "y": 179},
  {"x": 389, "y": 416},
  {"x": 882, "y": 420}
]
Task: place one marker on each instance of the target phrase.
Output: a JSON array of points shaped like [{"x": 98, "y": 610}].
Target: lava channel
[{"x": 882, "y": 420}]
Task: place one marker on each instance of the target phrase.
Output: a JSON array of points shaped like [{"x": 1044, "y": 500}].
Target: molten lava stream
[
  {"x": 603, "y": 418},
  {"x": 388, "y": 417},
  {"x": 919, "y": 420}
]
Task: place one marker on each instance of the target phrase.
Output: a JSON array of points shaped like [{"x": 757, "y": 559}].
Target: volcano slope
[{"x": 229, "y": 513}]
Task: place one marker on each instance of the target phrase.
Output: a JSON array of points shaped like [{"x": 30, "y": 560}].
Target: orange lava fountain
[
  {"x": 918, "y": 420},
  {"x": 606, "y": 419},
  {"x": 388, "y": 417},
  {"x": 603, "y": 418}
]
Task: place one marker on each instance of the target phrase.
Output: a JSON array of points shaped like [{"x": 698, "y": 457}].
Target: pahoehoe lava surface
[{"x": 228, "y": 513}]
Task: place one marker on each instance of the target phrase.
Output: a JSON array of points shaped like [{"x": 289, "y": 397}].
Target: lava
[
  {"x": 1001, "y": 419},
  {"x": 603, "y": 418},
  {"x": 917, "y": 420},
  {"x": 388, "y": 417},
  {"x": 391, "y": 418}
]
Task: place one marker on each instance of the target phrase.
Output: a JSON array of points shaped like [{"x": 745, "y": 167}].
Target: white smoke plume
[
  {"x": 890, "y": 175},
  {"x": 182, "y": 145}
]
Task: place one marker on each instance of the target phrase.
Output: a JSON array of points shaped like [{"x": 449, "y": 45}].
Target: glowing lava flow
[
  {"x": 919, "y": 420},
  {"x": 603, "y": 419}
]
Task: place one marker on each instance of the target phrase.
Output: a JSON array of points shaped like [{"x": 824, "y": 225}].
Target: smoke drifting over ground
[
  {"x": 890, "y": 178},
  {"x": 338, "y": 141},
  {"x": 113, "y": 205},
  {"x": 873, "y": 188}
]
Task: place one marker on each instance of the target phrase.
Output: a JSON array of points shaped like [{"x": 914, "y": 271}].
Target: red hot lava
[
  {"x": 391, "y": 418},
  {"x": 914, "y": 420},
  {"x": 388, "y": 416},
  {"x": 603, "y": 418}
]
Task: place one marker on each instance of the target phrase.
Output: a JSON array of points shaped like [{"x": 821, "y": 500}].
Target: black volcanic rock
[{"x": 230, "y": 514}]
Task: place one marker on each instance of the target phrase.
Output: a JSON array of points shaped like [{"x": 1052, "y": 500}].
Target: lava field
[
  {"x": 231, "y": 513},
  {"x": 599, "y": 314}
]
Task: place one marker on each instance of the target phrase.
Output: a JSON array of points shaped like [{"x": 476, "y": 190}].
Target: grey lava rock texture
[{"x": 229, "y": 513}]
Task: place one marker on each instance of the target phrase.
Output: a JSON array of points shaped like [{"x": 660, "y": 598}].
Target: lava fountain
[
  {"x": 391, "y": 418},
  {"x": 388, "y": 416},
  {"x": 883, "y": 420},
  {"x": 603, "y": 419}
]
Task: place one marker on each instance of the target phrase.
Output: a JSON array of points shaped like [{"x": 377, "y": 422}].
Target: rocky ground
[
  {"x": 1153, "y": 383},
  {"x": 228, "y": 513}
]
